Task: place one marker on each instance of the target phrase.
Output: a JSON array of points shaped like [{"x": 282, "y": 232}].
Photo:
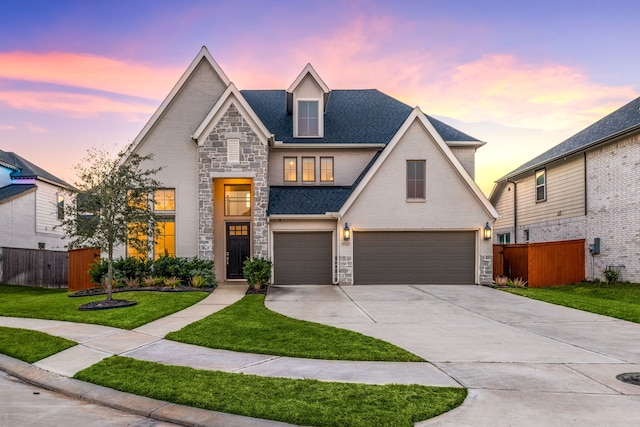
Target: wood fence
[
  {"x": 79, "y": 262},
  {"x": 34, "y": 267},
  {"x": 541, "y": 264}
]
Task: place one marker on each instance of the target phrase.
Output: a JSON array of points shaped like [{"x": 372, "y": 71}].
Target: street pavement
[{"x": 524, "y": 362}]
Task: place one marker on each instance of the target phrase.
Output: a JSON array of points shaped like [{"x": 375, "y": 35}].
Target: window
[
  {"x": 308, "y": 120},
  {"x": 541, "y": 185},
  {"x": 135, "y": 249},
  {"x": 290, "y": 169},
  {"x": 60, "y": 207},
  {"x": 237, "y": 200},
  {"x": 416, "y": 179},
  {"x": 504, "y": 238},
  {"x": 164, "y": 200},
  {"x": 165, "y": 243},
  {"x": 527, "y": 235},
  {"x": 308, "y": 169},
  {"x": 326, "y": 169}
]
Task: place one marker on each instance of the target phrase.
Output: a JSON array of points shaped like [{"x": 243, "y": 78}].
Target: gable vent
[{"x": 233, "y": 150}]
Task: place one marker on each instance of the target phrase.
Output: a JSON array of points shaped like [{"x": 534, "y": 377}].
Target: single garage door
[
  {"x": 433, "y": 257},
  {"x": 302, "y": 258}
]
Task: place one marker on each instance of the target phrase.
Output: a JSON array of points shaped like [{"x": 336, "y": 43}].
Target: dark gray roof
[
  {"x": 26, "y": 169},
  {"x": 13, "y": 190},
  {"x": 621, "y": 121},
  {"x": 351, "y": 116},
  {"x": 300, "y": 200}
]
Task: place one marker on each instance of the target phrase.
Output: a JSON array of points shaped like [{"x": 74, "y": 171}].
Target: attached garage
[
  {"x": 406, "y": 257},
  {"x": 302, "y": 258}
]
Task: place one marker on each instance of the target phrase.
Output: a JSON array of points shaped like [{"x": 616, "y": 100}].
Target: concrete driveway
[{"x": 525, "y": 362}]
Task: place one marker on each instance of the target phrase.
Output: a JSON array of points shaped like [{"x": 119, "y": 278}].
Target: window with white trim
[
  {"x": 308, "y": 118},
  {"x": 416, "y": 172},
  {"x": 308, "y": 169},
  {"x": 541, "y": 185}
]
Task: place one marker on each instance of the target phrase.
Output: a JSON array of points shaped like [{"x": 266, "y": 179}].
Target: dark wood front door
[{"x": 238, "y": 248}]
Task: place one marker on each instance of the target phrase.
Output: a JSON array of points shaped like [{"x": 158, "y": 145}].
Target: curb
[{"x": 127, "y": 402}]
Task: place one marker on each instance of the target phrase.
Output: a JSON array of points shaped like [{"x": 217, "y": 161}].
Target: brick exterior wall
[
  {"x": 613, "y": 194},
  {"x": 212, "y": 161}
]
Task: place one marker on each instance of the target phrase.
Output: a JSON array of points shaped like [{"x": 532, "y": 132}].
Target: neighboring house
[
  {"x": 334, "y": 186},
  {"x": 31, "y": 205},
  {"x": 586, "y": 187}
]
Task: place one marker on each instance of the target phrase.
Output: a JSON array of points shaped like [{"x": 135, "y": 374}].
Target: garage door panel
[
  {"x": 302, "y": 258},
  {"x": 414, "y": 257}
]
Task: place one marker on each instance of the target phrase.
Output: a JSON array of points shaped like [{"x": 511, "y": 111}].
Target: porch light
[
  {"x": 346, "y": 232},
  {"x": 487, "y": 232}
]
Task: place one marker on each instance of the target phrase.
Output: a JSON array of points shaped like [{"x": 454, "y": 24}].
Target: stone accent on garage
[{"x": 212, "y": 161}]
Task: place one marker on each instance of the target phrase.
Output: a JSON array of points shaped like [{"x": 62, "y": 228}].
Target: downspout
[{"x": 515, "y": 211}]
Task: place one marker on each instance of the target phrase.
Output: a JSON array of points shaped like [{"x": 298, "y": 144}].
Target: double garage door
[
  {"x": 385, "y": 257},
  {"x": 433, "y": 257}
]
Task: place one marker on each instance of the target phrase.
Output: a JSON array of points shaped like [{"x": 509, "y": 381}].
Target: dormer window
[{"x": 308, "y": 118}]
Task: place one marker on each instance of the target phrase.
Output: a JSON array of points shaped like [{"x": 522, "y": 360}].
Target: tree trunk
[{"x": 110, "y": 272}]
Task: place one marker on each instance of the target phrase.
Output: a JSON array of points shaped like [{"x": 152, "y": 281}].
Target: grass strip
[
  {"x": 300, "y": 402},
  {"x": 248, "y": 326},
  {"x": 30, "y": 346},
  {"x": 620, "y": 300},
  {"x": 54, "y": 304}
]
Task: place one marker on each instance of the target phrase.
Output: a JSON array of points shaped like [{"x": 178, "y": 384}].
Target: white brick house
[
  {"x": 584, "y": 188},
  {"x": 334, "y": 186}
]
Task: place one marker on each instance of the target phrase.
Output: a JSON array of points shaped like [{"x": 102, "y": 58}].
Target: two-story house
[
  {"x": 583, "y": 188},
  {"x": 31, "y": 205},
  {"x": 334, "y": 186}
]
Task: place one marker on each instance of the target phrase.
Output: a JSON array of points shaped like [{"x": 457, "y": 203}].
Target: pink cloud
[
  {"x": 7, "y": 127},
  {"x": 75, "y": 105},
  {"x": 90, "y": 71},
  {"x": 31, "y": 127}
]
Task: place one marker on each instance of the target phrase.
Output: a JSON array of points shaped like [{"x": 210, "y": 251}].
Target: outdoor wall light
[
  {"x": 487, "y": 232},
  {"x": 346, "y": 232}
]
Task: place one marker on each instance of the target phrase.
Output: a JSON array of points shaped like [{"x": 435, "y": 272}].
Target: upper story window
[
  {"x": 308, "y": 118},
  {"x": 326, "y": 169},
  {"x": 237, "y": 200},
  {"x": 541, "y": 185},
  {"x": 290, "y": 169},
  {"x": 308, "y": 169},
  {"x": 416, "y": 171},
  {"x": 164, "y": 200},
  {"x": 60, "y": 207}
]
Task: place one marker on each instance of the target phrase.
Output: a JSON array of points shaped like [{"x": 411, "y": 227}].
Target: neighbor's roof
[
  {"x": 621, "y": 121},
  {"x": 352, "y": 117},
  {"x": 13, "y": 190},
  {"x": 24, "y": 169}
]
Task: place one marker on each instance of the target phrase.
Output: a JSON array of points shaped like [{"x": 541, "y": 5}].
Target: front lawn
[
  {"x": 30, "y": 346},
  {"x": 300, "y": 402},
  {"x": 620, "y": 300},
  {"x": 248, "y": 326},
  {"x": 55, "y": 304}
]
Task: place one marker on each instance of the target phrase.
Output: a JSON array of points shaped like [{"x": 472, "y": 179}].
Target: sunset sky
[{"x": 520, "y": 75}]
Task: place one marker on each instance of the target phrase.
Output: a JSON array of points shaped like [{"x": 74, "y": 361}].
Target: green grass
[
  {"x": 55, "y": 304},
  {"x": 621, "y": 300},
  {"x": 248, "y": 326},
  {"x": 300, "y": 402},
  {"x": 30, "y": 346}
]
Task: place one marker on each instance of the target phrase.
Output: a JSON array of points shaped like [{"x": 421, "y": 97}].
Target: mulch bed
[
  {"x": 100, "y": 291},
  {"x": 104, "y": 304},
  {"x": 263, "y": 290}
]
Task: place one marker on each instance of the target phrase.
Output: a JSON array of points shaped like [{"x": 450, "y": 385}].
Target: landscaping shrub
[
  {"x": 257, "y": 271},
  {"x": 133, "y": 272}
]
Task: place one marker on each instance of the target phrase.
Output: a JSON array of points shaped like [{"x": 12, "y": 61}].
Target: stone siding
[{"x": 212, "y": 161}]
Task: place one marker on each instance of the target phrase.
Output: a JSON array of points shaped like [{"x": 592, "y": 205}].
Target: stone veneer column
[{"x": 212, "y": 161}]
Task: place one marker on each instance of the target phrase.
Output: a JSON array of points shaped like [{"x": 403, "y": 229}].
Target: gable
[{"x": 452, "y": 197}]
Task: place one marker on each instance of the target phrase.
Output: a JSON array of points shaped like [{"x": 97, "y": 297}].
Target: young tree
[{"x": 112, "y": 205}]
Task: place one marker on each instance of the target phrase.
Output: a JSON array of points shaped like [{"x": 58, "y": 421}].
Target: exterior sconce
[
  {"x": 487, "y": 232},
  {"x": 346, "y": 232}
]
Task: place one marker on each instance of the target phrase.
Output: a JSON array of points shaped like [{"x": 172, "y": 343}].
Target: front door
[{"x": 238, "y": 248}]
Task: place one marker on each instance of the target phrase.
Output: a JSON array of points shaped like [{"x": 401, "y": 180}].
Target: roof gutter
[
  {"x": 316, "y": 145},
  {"x": 325, "y": 216}
]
